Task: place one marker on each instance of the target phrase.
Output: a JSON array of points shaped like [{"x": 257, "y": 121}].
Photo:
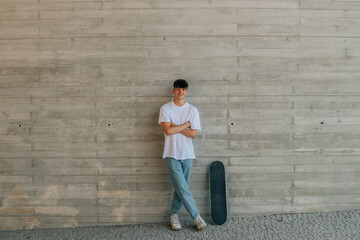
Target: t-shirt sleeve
[
  {"x": 164, "y": 115},
  {"x": 195, "y": 120}
]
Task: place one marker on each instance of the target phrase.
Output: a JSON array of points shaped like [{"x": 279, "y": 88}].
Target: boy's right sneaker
[
  {"x": 200, "y": 223},
  {"x": 175, "y": 223}
]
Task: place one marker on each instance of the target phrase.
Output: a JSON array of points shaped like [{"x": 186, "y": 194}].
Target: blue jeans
[{"x": 180, "y": 174}]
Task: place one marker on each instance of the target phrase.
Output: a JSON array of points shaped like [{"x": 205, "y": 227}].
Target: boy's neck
[{"x": 179, "y": 102}]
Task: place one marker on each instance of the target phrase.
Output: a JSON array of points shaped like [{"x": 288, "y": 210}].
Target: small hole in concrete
[
  {"x": 109, "y": 125},
  {"x": 322, "y": 122},
  {"x": 19, "y": 125},
  {"x": 164, "y": 38},
  {"x": 232, "y": 123}
]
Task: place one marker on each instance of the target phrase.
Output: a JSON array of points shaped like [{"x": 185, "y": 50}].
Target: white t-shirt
[{"x": 179, "y": 146}]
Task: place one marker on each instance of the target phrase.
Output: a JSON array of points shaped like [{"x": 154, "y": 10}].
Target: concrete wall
[{"x": 81, "y": 83}]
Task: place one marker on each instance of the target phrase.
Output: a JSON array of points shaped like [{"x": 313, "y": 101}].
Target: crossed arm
[{"x": 171, "y": 128}]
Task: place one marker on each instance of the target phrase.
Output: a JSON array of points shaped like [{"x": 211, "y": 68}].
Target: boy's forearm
[
  {"x": 189, "y": 133},
  {"x": 178, "y": 128}
]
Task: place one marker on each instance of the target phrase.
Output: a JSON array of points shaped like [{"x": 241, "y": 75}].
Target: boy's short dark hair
[{"x": 181, "y": 83}]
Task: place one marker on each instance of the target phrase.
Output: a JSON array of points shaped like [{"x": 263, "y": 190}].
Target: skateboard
[{"x": 218, "y": 193}]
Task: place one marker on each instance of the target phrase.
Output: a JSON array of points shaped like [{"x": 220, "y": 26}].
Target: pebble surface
[{"x": 334, "y": 225}]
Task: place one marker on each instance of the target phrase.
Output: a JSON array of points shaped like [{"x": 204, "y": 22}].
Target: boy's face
[{"x": 180, "y": 93}]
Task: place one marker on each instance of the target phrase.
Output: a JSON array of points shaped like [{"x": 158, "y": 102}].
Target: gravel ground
[{"x": 334, "y": 225}]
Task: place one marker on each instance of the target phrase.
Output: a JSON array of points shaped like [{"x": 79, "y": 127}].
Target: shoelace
[{"x": 175, "y": 220}]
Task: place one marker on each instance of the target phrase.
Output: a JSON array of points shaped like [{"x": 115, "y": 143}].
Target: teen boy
[{"x": 180, "y": 121}]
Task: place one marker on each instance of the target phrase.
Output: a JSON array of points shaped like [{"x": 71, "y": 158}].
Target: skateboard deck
[{"x": 218, "y": 193}]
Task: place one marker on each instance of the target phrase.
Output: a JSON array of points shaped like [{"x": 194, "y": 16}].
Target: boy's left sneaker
[{"x": 200, "y": 223}]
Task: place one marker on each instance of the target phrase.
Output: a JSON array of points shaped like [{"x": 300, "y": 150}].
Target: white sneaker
[
  {"x": 200, "y": 223},
  {"x": 175, "y": 223}
]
